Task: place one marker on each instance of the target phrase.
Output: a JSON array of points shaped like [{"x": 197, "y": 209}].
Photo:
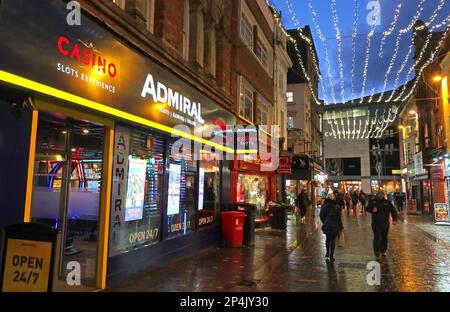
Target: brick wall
[{"x": 169, "y": 16}]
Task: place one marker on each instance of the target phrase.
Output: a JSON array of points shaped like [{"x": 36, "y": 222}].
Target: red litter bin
[{"x": 233, "y": 228}]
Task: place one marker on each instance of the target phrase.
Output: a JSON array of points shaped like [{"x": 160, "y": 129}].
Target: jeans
[
  {"x": 330, "y": 244},
  {"x": 380, "y": 237}
]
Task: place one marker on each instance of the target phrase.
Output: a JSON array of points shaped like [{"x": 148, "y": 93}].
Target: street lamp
[{"x": 437, "y": 78}]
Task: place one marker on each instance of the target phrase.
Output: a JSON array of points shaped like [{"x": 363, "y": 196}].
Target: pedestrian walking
[
  {"x": 381, "y": 208},
  {"x": 362, "y": 201},
  {"x": 338, "y": 199},
  {"x": 303, "y": 203},
  {"x": 355, "y": 198},
  {"x": 331, "y": 217},
  {"x": 399, "y": 199},
  {"x": 348, "y": 201}
]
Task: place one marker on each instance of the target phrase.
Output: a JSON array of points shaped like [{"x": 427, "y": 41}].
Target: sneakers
[
  {"x": 332, "y": 259},
  {"x": 384, "y": 254},
  {"x": 377, "y": 254}
]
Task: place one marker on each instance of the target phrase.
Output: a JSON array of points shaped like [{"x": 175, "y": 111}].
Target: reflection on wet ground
[{"x": 293, "y": 260}]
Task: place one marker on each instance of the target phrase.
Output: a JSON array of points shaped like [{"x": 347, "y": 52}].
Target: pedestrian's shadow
[
  {"x": 333, "y": 283},
  {"x": 387, "y": 278}
]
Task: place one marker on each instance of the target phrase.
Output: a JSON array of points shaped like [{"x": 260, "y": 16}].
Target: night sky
[{"x": 376, "y": 67}]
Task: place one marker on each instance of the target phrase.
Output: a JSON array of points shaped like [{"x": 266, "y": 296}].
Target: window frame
[{"x": 249, "y": 28}]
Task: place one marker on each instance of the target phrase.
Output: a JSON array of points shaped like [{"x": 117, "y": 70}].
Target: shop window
[
  {"x": 181, "y": 197},
  {"x": 254, "y": 189},
  {"x": 209, "y": 191},
  {"x": 246, "y": 32},
  {"x": 138, "y": 172},
  {"x": 246, "y": 104}
]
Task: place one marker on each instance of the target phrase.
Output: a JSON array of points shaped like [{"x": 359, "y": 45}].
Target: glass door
[{"x": 66, "y": 194}]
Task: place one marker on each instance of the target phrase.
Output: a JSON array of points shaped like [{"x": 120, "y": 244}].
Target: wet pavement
[{"x": 293, "y": 260}]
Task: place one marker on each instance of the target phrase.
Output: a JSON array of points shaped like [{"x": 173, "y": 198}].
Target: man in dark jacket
[
  {"x": 338, "y": 199},
  {"x": 380, "y": 208},
  {"x": 303, "y": 203}
]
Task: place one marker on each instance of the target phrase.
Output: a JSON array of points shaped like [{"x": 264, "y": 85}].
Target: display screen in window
[
  {"x": 173, "y": 203},
  {"x": 181, "y": 197},
  {"x": 138, "y": 171}
]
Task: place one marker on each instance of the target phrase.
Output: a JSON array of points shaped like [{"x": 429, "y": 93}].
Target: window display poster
[
  {"x": 173, "y": 203},
  {"x": 134, "y": 208},
  {"x": 441, "y": 212}
]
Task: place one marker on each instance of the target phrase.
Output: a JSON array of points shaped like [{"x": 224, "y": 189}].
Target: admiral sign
[{"x": 93, "y": 64}]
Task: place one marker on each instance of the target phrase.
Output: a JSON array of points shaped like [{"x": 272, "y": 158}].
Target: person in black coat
[
  {"x": 381, "y": 208},
  {"x": 331, "y": 217},
  {"x": 303, "y": 203}
]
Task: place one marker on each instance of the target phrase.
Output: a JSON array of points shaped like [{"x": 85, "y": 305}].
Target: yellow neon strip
[
  {"x": 30, "y": 174},
  {"x": 247, "y": 151},
  {"x": 35, "y": 86},
  {"x": 102, "y": 263}
]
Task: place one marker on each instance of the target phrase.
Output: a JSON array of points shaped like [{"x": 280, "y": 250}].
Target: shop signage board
[
  {"x": 397, "y": 171},
  {"x": 27, "y": 258},
  {"x": 285, "y": 165},
  {"x": 92, "y": 63},
  {"x": 441, "y": 212}
]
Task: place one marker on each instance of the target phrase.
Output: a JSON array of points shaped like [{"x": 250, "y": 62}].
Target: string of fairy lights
[
  {"x": 311, "y": 49},
  {"x": 339, "y": 44},
  {"x": 373, "y": 125},
  {"x": 407, "y": 57},
  {"x": 325, "y": 48},
  {"x": 384, "y": 37},
  {"x": 366, "y": 127},
  {"x": 354, "y": 33},
  {"x": 424, "y": 66},
  {"x": 401, "y": 32}
]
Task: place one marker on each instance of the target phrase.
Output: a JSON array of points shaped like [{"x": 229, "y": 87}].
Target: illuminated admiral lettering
[
  {"x": 86, "y": 56},
  {"x": 162, "y": 94}
]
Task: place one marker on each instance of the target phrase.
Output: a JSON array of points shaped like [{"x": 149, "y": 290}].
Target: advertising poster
[
  {"x": 173, "y": 203},
  {"x": 201, "y": 187},
  {"x": 441, "y": 212},
  {"x": 134, "y": 208}
]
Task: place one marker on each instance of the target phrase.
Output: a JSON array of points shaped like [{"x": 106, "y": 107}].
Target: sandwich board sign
[{"x": 27, "y": 257}]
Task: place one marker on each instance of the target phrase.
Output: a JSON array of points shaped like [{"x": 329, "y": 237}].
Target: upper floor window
[
  {"x": 290, "y": 97},
  {"x": 290, "y": 122},
  {"x": 261, "y": 52},
  {"x": 246, "y": 32},
  {"x": 262, "y": 113},
  {"x": 246, "y": 104}
]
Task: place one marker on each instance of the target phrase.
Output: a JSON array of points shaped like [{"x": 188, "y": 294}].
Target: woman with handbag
[{"x": 331, "y": 217}]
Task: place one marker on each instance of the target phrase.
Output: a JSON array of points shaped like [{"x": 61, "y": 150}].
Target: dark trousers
[
  {"x": 380, "y": 237},
  {"x": 330, "y": 244},
  {"x": 302, "y": 211}
]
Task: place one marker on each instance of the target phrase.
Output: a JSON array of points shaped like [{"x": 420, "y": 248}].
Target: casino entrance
[{"x": 68, "y": 191}]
